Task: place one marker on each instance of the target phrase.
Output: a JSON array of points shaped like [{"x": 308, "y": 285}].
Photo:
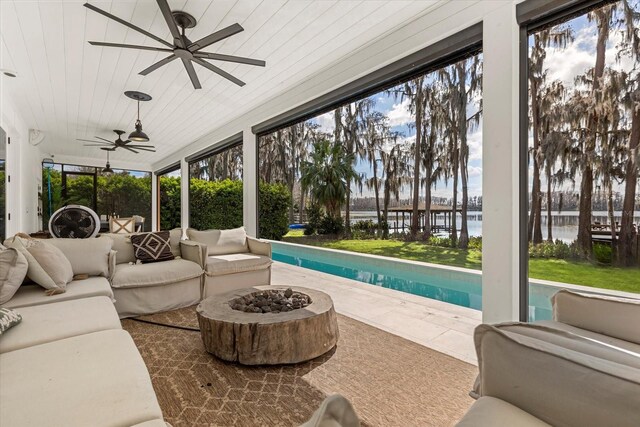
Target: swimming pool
[{"x": 448, "y": 284}]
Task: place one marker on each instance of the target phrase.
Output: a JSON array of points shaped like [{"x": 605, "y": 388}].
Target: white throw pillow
[
  {"x": 221, "y": 242},
  {"x": 13, "y": 270},
  {"x": 87, "y": 256},
  {"x": 48, "y": 266}
]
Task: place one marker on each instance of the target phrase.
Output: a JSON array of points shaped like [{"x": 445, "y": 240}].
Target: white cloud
[
  {"x": 399, "y": 114},
  {"x": 327, "y": 122}
]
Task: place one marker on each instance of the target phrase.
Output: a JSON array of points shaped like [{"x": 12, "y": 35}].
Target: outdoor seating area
[{"x": 320, "y": 213}]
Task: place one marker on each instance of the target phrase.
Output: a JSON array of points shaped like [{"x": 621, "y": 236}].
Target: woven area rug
[{"x": 389, "y": 380}]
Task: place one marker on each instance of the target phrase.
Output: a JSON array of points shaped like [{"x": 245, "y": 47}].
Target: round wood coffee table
[{"x": 268, "y": 338}]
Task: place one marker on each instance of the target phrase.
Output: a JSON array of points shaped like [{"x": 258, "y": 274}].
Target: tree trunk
[
  {"x": 415, "y": 218},
  {"x": 454, "y": 214},
  {"x": 627, "y": 234},
  {"x": 549, "y": 213},
  {"x": 463, "y": 243},
  {"x": 586, "y": 186},
  {"x": 376, "y": 191},
  {"x": 534, "y": 225}
]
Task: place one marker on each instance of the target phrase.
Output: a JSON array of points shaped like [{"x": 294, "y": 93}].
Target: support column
[
  {"x": 155, "y": 206},
  {"x": 250, "y": 181},
  {"x": 500, "y": 166},
  {"x": 184, "y": 195}
]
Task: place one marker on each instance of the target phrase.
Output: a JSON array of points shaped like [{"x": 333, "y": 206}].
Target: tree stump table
[{"x": 268, "y": 338}]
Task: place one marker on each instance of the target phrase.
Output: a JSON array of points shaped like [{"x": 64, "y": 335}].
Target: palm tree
[{"x": 326, "y": 173}]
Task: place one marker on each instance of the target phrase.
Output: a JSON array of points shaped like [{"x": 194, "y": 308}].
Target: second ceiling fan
[{"x": 182, "y": 48}]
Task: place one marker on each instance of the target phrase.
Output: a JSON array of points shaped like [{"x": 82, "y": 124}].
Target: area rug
[{"x": 389, "y": 380}]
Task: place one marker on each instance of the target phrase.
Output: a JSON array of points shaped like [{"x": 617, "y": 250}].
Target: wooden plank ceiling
[{"x": 70, "y": 89}]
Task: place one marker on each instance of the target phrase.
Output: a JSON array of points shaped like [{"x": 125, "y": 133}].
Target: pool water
[{"x": 452, "y": 285}]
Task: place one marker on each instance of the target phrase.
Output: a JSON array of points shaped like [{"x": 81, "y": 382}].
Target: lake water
[{"x": 565, "y": 224}]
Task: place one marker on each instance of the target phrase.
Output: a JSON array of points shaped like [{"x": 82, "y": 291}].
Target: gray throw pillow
[
  {"x": 8, "y": 319},
  {"x": 13, "y": 270}
]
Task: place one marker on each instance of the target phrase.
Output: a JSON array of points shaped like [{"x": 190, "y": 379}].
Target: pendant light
[
  {"x": 138, "y": 135},
  {"x": 107, "y": 169}
]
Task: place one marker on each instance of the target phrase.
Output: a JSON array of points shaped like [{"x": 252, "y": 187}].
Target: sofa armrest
[
  {"x": 112, "y": 264},
  {"x": 259, "y": 247},
  {"x": 194, "y": 251},
  {"x": 607, "y": 315}
]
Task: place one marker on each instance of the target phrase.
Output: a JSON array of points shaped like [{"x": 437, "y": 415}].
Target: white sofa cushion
[
  {"x": 87, "y": 256},
  {"x": 48, "y": 266},
  {"x": 604, "y": 339},
  {"x": 13, "y": 270},
  {"x": 608, "y": 315},
  {"x": 154, "y": 274},
  {"x": 559, "y": 385},
  {"x": 220, "y": 265},
  {"x": 96, "y": 379},
  {"x": 51, "y": 322},
  {"x": 220, "y": 242},
  {"x": 29, "y": 295},
  {"x": 492, "y": 412}
]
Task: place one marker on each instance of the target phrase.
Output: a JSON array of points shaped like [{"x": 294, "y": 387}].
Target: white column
[
  {"x": 249, "y": 182},
  {"x": 155, "y": 214},
  {"x": 184, "y": 195},
  {"x": 500, "y": 166}
]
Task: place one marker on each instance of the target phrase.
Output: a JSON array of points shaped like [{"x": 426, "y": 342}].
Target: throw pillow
[
  {"x": 8, "y": 319},
  {"x": 122, "y": 225},
  {"x": 152, "y": 247},
  {"x": 221, "y": 242},
  {"x": 48, "y": 266},
  {"x": 13, "y": 270}
]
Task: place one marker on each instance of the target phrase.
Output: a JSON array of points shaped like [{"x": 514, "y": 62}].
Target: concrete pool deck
[{"x": 444, "y": 327}]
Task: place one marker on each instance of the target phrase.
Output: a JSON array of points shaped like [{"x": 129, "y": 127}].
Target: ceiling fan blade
[
  {"x": 171, "y": 23},
  {"x": 99, "y": 145},
  {"x": 130, "y": 149},
  {"x": 104, "y": 139},
  {"x": 91, "y": 140},
  {"x": 219, "y": 71},
  {"x": 192, "y": 73},
  {"x": 130, "y": 46},
  {"x": 128, "y": 24},
  {"x": 215, "y": 37},
  {"x": 157, "y": 65},
  {"x": 230, "y": 58},
  {"x": 153, "y": 150}
]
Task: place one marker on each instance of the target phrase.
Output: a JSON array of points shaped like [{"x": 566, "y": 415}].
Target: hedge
[{"x": 218, "y": 205}]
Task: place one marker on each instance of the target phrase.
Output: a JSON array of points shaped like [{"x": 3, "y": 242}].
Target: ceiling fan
[
  {"x": 106, "y": 145},
  {"x": 181, "y": 47}
]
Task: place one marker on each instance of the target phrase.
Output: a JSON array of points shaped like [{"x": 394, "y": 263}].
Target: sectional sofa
[{"x": 69, "y": 363}]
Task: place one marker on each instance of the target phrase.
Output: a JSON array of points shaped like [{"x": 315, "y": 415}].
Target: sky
[{"x": 562, "y": 64}]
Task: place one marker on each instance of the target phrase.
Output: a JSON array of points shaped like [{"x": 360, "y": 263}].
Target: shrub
[
  {"x": 314, "y": 219},
  {"x": 218, "y": 205},
  {"x": 603, "y": 253},
  {"x": 331, "y": 225},
  {"x": 273, "y": 210},
  {"x": 170, "y": 202},
  {"x": 557, "y": 249}
]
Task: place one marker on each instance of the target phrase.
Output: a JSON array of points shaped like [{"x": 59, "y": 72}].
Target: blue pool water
[{"x": 454, "y": 286}]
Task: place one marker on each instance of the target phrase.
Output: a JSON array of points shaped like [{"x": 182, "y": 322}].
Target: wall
[{"x": 24, "y": 167}]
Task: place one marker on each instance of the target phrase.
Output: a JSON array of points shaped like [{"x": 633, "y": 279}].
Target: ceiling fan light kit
[{"x": 181, "y": 47}]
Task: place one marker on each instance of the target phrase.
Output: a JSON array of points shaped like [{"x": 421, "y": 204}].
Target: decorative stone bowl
[{"x": 252, "y": 338}]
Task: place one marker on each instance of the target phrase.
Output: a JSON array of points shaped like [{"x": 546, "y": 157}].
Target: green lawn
[{"x": 579, "y": 273}]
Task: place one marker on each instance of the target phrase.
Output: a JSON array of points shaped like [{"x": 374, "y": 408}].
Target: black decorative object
[
  {"x": 106, "y": 145},
  {"x": 181, "y": 47},
  {"x": 138, "y": 135}
]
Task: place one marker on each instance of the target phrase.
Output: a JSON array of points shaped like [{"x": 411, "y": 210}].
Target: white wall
[{"x": 24, "y": 167}]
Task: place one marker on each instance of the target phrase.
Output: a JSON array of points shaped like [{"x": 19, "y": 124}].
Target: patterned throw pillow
[
  {"x": 152, "y": 247},
  {"x": 8, "y": 319}
]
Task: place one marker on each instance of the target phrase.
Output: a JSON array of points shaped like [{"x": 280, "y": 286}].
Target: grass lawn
[{"x": 579, "y": 273}]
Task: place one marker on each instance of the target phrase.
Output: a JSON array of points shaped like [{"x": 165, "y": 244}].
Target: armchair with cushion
[
  {"x": 234, "y": 260},
  {"x": 581, "y": 368},
  {"x": 144, "y": 288}
]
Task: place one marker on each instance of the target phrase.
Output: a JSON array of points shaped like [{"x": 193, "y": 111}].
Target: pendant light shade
[
  {"x": 107, "y": 169},
  {"x": 138, "y": 135}
]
